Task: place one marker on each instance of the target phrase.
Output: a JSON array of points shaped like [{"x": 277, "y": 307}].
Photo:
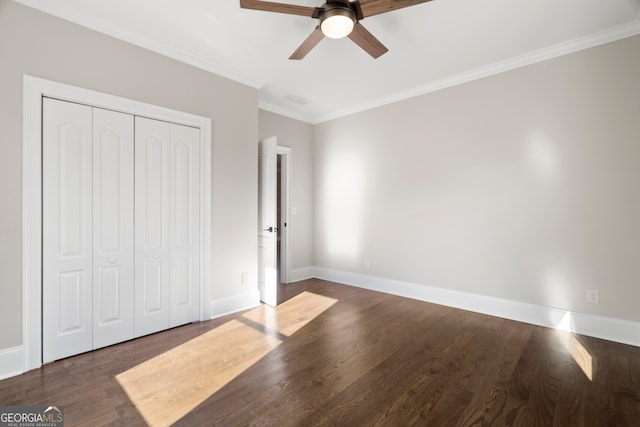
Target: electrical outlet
[
  {"x": 367, "y": 264},
  {"x": 593, "y": 296},
  {"x": 245, "y": 278}
]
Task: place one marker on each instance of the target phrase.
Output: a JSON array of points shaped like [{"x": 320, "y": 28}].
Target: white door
[
  {"x": 88, "y": 228},
  {"x": 167, "y": 225},
  {"x": 113, "y": 283},
  {"x": 267, "y": 221},
  {"x": 152, "y": 148},
  {"x": 67, "y": 266},
  {"x": 184, "y": 288}
]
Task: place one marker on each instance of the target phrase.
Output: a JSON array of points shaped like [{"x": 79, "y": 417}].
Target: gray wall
[
  {"x": 43, "y": 46},
  {"x": 298, "y": 136},
  {"x": 523, "y": 185}
]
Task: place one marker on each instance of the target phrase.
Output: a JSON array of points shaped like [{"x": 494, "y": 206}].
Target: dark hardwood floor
[{"x": 338, "y": 355}]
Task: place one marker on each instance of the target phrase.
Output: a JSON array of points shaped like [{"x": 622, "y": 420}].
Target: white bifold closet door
[
  {"x": 121, "y": 233},
  {"x": 167, "y": 239},
  {"x": 88, "y": 264}
]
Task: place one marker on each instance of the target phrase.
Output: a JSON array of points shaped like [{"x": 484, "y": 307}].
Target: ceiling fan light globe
[{"x": 337, "y": 23}]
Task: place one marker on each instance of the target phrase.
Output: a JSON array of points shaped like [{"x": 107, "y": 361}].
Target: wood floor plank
[
  {"x": 435, "y": 394},
  {"x": 490, "y": 391},
  {"x": 347, "y": 353},
  {"x": 331, "y": 342},
  {"x": 531, "y": 399},
  {"x": 332, "y": 354},
  {"x": 617, "y": 382},
  {"x": 385, "y": 379}
]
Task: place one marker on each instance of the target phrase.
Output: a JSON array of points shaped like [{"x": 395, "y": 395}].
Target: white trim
[
  {"x": 11, "y": 362},
  {"x": 285, "y": 206},
  {"x": 572, "y": 46},
  {"x": 296, "y": 115},
  {"x": 60, "y": 10},
  {"x": 618, "y": 330},
  {"x": 304, "y": 273},
  {"x": 232, "y": 304},
  {"x": 34, "y": 89}
]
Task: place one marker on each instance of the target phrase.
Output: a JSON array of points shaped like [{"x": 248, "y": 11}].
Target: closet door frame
[{"x": 34, "y": 89}]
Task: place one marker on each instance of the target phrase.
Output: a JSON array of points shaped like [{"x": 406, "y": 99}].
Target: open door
[{"x": 267, "y": 222}]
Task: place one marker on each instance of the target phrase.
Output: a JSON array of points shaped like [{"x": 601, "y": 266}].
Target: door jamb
[
  {"x": 34, "y": 89},
  {"x": 285, "y": 212}
]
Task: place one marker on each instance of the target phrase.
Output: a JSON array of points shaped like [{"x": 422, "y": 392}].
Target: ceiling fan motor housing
[
  {"x": 337, "y": 18},
  {"x": 336, "y": 7}
]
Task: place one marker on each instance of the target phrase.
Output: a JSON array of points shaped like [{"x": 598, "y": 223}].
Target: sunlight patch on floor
[
  {"x": 290, "y": 316},
  {"x": 581, "y": 356},
  {"x": 578, "y": 352},
  {"x": 166, "y": 388}
]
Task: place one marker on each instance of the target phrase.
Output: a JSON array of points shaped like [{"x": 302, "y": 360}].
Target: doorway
[
  {"x": 283, "y": 213},
  {"x": 274, "y": 172}
]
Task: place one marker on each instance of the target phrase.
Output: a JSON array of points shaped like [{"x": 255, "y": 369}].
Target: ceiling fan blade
[
  {"x": 367, "y": 41},
  {"x": 376, "y": 7},
  {"x": 291, "y": 9},
  {"x": 314, "y": 38}
]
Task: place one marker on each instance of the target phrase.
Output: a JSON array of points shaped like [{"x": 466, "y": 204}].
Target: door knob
[{"x": 271, "y": 229}]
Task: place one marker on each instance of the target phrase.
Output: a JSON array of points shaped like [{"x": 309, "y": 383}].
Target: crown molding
[
  {"x": 68, "y": 14},
  {"x": 561, "y": 49},
  {"x": 286, "y": 112}
]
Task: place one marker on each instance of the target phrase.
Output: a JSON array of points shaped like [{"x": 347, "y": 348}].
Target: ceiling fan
[{"x": 338, "y": 19}]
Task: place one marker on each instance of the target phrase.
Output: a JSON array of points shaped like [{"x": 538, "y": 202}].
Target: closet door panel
[
  {"x": 185, "y": 229},
  {"x": 152, "y": 291},
  {"x": 67, "y": 229},
  {"x": 152, "y": 240},
  {"x": 113, "y": 275}
]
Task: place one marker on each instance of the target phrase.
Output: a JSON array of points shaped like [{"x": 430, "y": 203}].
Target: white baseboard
[
  {"x": 302, "y": 274},
  {"x": 618, "y": 330},
  {"x": 11, "y": 362},
  {"x": 228, "y": 305}
]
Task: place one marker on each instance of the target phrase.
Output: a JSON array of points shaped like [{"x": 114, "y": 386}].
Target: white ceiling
[{"x": 431, "y": 45}]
